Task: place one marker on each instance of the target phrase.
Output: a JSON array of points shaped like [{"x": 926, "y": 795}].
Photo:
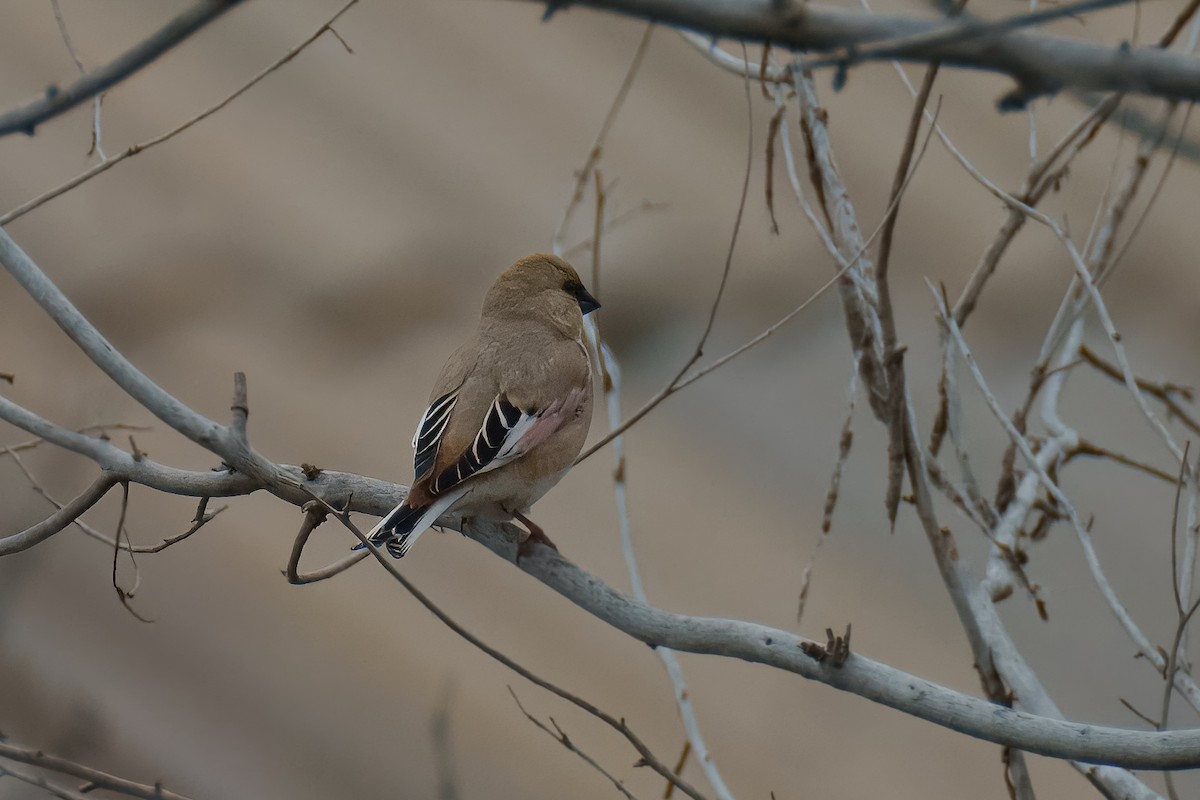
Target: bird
[{"x": 509, "y": 412}]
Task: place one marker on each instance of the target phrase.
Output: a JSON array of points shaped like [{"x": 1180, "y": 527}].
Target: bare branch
[
  {"x": 41, "y": 782},
  {"x": 677, "y": 382},
  {"x": 589, "y": 164},
  {"x": 893, "y": 353},
  {"x": 133, "y": 150},
  {"x": 762, "y": 644},
  {"x": 1038, "y": 468},
  {"x": 1043, "y": 176},
  {"x": 999, "y": 662},
  {"x": 504, "y": 544},
  {"x": 210, "y": 435},
  {"x": 123, "y": 466},
  {"x": 202, "y": 431},
  {"x": 97, "y": 146},
  {"x": 314, "y": 515},
  {"x": 611, "y": 371},
  {"x": 781, "y": 649},
  {"x": 1040, "y": 63},
  {"x": 98, "y": 779},
  {"x": 1166, "y": 393},
  {"x": 558, "y": 735},
  {"x": 962, "y": 29},
  {"x": 101, "y": 428},
  {"x": 57, "y": 100},
  {"x": 59, "y": 519},
  {"x": 125, "y": 595}
]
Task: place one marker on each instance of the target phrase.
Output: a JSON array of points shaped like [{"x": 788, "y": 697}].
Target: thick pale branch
[
  {"x": 202, "y": 431},
  {"x": 1038, "y": 62},
  {"x": 55, "y": 101},
  {"x": 860, "y": 675},
  {"x": 120, "y": 465},
  {"x": 777, "y": 648},
  {"x": 758, "y": 643},
  {"x": 210, "y": 435}
]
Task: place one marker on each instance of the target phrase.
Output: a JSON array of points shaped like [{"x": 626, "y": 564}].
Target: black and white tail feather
[{"x": 498, "y": 442}]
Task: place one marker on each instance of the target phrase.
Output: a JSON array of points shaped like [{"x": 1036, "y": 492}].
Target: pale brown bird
[{"x": 509, "y": 412}]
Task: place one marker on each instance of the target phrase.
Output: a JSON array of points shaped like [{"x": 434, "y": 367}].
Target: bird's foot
[{"x": 536, "y": 536}]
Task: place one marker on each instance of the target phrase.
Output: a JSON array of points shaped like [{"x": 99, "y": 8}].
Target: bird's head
[{"x": 543, "y": 278}]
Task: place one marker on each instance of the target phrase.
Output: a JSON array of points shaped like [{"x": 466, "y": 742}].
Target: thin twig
[
  {"x": 845, "y": 441},
  {"x": 1165, "y": 393},
  {"x": 1176, "y": 594},
  {"x": 617, "y": 221},
  {"x": 25, "y": 119},
  {"x": 617, "y": 725},
  {"x": 201, "y": 518},
  {"x": 94, "y": 777},
  {"x": 610, "y": 370},
  {"x": 679, "y": 765},
  {"x": 1086, "y": 448},
  {"x": 314, "y": 515},
  {"x": 892, "y": 354},
  {"x": 96, "y": 147},
  {"x": 558, "y": 735},
  {"x": 674, "y": 385},
  {"x": 104, "y": 166},
  {"x": 36, "y": 534},
  {"x": 125, "y": 595},
  {"x": 585, "y": 172},
  {"x": 680, "y": 383},
  {"x": 1092, "y": 559}
]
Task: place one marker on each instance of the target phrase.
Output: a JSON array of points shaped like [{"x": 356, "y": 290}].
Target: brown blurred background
[{"x": 331, "y": 234}]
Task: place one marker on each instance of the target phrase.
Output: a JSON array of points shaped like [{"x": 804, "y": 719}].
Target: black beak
[{"x": 587, "y": 303}]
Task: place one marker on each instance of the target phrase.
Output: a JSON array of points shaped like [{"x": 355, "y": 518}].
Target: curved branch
[
  {"x": 724, "y": 637},
  {"x": 59, "y": 519},
  {"x": 1040, "y": 63},
  {"x": 225, "y": 442},
  {"x": 761, "y": 644},
  {"x": 55, "y": 101},
  {"x": 204, "y": 432}
]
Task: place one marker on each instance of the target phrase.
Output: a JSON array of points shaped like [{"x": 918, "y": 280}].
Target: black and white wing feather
[
  {"x": 498, "y": 441},
  {"x": 428, "y": 438},
  {"x": 501, "y": 439}
]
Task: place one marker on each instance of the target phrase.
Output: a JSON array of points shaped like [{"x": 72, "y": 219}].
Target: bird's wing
[
  {"x": 507, "y": 433},
  {"x": 496, "y": 402},
  {"x": 428, "y": 438},
  {"x": 504, "y": 436}
]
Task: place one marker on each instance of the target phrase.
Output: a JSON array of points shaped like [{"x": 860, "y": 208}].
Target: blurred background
[{"x": 331, "y": 233}]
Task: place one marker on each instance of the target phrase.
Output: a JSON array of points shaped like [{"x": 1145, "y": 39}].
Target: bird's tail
[{"x": 399, "y": 529}]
